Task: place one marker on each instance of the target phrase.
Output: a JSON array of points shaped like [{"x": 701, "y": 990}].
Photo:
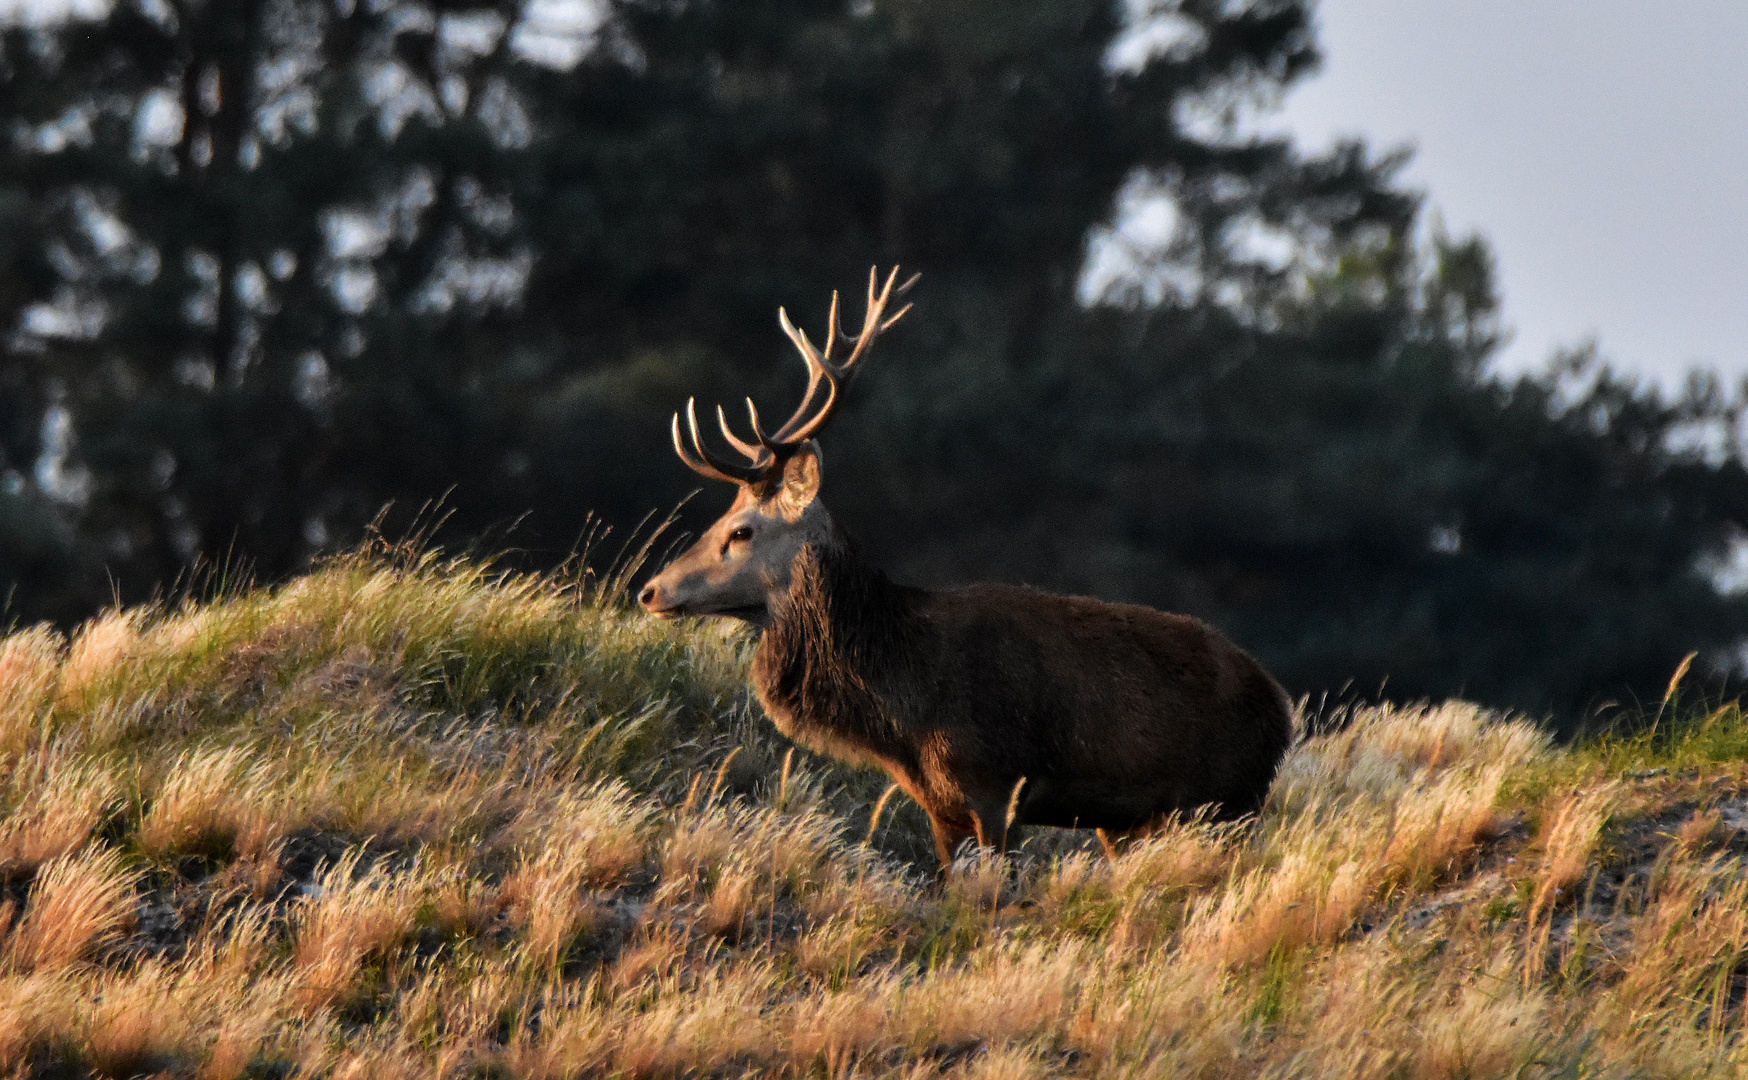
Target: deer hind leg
[{"x": 1117, "y": 841}]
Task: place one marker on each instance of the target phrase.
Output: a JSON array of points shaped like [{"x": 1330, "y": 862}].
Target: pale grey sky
[{"x": 1600, "y": 145}]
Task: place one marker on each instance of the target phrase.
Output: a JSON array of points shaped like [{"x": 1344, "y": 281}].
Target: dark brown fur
[{"x": 1113, "y": 716}]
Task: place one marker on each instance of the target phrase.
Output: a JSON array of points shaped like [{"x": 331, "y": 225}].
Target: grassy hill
[{"x": 409, "y": 817}]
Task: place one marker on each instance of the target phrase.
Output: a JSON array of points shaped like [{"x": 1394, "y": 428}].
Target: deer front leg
[
  {"x": 948, "y": 836},
  {"x": 994, "y": 832}
]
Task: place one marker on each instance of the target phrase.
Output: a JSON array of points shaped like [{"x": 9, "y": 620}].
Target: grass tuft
[
  {"x": 208, "y": 800},
  {"x": 77, "y": 905},
  {"x": 55, "y": 800},
  {"x": 30, "y": 669},
  {"x": 349, "y": 917}
]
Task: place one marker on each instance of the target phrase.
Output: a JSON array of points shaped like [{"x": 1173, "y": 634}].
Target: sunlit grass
[{"x": 412, "y": 816}]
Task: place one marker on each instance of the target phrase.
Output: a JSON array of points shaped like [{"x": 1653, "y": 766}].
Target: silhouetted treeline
[{"x": 266, "y": 265}]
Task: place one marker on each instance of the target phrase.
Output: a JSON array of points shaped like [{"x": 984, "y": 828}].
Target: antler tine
[
  {"x": 817, "y": 372},
  {"x": 801, "y": 426},
  {"x": 751, "y": 452},
  {"x": 872, "y": 324},
  {"x": 697, "y": 466},
  {"x": 808, "y": 417},
  {"x": 765, "y": 441},
  {"x": 703, "y": 450},
  {"x": 900, "y": 291},
  {"x": 799, "y": 336},
  {"x": 832, "y": 331},
  {"x": 875, "y": 301},
  {"x": 899, "y": 314},
  {"x": 706, "y": 463}
]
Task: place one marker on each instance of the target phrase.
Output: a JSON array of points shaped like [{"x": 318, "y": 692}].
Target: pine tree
[{"x": 232, "y": 209}]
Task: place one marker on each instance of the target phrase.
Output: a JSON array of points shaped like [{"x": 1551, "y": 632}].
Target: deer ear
[{"x": 800, "y": 481}]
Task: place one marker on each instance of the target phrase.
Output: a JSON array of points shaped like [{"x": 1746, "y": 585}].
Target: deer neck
[{"x": 831, "y": 664}]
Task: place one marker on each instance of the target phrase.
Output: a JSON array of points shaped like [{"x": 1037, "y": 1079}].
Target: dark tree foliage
[{"x": 267, "y": 265}]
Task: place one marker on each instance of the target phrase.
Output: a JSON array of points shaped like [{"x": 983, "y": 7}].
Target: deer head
[{"x": 743, "y": 560}]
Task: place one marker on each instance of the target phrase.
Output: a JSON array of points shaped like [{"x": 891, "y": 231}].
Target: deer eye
[{"x": 738, "y": 536}]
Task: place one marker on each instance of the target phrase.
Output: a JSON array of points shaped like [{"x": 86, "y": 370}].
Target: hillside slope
[{"x": 408, "y": 817}]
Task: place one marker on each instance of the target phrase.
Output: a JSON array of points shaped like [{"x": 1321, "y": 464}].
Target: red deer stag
[{"x": 990, "y": 705}]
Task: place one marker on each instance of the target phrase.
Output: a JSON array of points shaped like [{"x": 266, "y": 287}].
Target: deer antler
[
  {"x": 769, "y": 451},
  {"x": 706, "y": 463}
]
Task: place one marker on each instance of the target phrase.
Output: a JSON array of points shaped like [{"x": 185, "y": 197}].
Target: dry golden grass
[
  {"x": 211, "y": 797},
  {"x": 97, "y": 652},
  {"x": 544, "y": 898},
  {"x": 55, "y": 801},
  {"x": 35, "y": 1015},
  {"x": 600, "y": 833},
  {"x": 349, "y": 918},
  {"x": 453, "y": 823},
  {"x": 234, "y": 1047},
  {"x": 77, "y": 904},
  {"x": 139, "y": 1024},
  {"x": 30, "y": 669},
  {"x": 1567, "y": 841},
  {"x": 1700, "y": 831}
]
